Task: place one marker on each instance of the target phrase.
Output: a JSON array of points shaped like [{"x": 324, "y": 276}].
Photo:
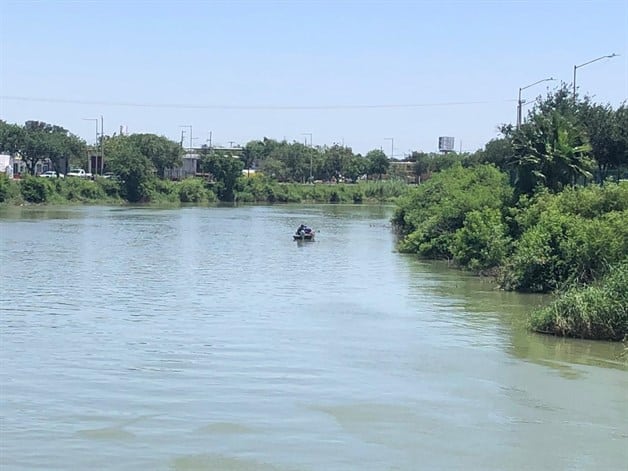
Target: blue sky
[{"x": 356, "y": 72}]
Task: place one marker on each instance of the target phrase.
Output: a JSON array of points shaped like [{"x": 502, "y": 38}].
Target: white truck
[{"x": 78, "y": 172}]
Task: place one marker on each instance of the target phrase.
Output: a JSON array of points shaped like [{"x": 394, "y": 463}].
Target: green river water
[{"x": 207, "y": 339}]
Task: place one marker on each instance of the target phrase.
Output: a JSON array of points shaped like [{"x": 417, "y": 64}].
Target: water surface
[{"x": 205, "y": 338}]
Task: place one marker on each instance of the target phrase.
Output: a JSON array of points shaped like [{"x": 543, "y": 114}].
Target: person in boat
[{"x": 303, "y": 230}]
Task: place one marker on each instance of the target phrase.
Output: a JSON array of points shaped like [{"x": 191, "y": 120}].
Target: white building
[{"x": 6, "y": 165}]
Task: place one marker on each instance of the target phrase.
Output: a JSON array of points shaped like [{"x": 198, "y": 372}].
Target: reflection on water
[{"x": 206, "y": 338}]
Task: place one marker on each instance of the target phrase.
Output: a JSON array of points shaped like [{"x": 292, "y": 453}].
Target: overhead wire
[{"x": 248, "y": 107}]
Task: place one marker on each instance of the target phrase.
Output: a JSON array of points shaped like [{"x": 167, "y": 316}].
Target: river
[{"x": 205, "y": 338}]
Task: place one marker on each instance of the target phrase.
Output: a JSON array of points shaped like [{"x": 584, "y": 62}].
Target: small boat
[
  {"x": 304, "y": 233},
  {"x": 304, "y": 236}
]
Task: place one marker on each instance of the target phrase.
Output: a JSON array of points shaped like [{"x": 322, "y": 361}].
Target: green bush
[
  {"x": 161, "y": 191},
  {"x": 358, "y": 196},
  {"x": 264, "y": 189},
  {"x": 538, "y": 265},
  {"x": 8, "y": 188},
  {"x": 78, "y": 189},
  {"x": 429, "y": 216},
  {"x": 482, "y": 243},
  {"x": 36, "y": 189},
  {"x": 110, "y": 187},
  {"x": 599, "y": 311},
  {"x": 193, "y": 190},
  {"x": 587, "y": 202},
  {"x": 562, "y": 242}
]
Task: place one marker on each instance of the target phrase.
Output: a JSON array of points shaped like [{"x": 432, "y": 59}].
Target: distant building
[
  {"x": 6, "y": 165},
  {"x": 188, "y": 168}
]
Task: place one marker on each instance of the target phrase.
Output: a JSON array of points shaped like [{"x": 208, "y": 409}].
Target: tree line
[{"x": 139, "y": 158}]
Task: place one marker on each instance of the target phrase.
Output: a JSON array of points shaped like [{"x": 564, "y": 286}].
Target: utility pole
[
  {"x": 102, "y": 145},
  {"x": 311, "y": 149},
  {"x": 89, "y": 157},
  {"x": 189, "y": 126}
]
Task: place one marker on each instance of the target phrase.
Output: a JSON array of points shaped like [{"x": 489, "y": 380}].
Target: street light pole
[
  {"x": 520, "y": 102},
  {"x": 89, "y": 160},
  {"x": 311, "y": 147},
  {"x": 102, "y": 146},
  {"x": 576, "y": 67},
  {"x": 392, "y": 146},
  {"x": 189, "y": 126}
]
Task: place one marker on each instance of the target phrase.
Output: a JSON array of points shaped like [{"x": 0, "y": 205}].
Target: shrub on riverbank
[
  {"x": 542, "y": 243},
  {"x": 570, "y": 237},
  {"x": 79, "y": 190},
  {"x": 457, "y": 199},
  {"x": 260, "y": 189},
  {"x": 9, "y": 191},
  {"x": 194, "y": 190},
  {"x": 257, "y": 189},
  {"x": 598, "y": 311}
]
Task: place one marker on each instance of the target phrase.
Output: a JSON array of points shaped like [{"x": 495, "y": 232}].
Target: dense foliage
[
  {"x": 599, "y": 311},
  {"x": 457, "y": 215},
  {"x": 566, "y": 238}
]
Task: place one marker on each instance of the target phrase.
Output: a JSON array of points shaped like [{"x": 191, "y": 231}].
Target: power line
[{"x": 246, "y": 107}]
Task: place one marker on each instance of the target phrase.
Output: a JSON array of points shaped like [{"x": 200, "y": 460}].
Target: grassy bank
[{"x": 598, "y": 311}]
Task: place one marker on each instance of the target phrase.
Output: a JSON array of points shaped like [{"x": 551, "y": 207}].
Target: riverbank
[
  {"x": 258, "y": 189},
  {"x": 550, "y": 242}
]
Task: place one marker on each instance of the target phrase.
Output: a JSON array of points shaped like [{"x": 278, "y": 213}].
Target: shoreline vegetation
[
  {"x": 255, "y": 189},
  {"x": 542, "y": 209}
]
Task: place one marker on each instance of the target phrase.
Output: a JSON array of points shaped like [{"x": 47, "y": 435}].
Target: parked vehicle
[
  {"x": 51, "y": 174},
  {"x": 79, "y": 172}
]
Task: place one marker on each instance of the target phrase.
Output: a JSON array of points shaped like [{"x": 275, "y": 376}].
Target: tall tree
[
  {"x": 497, "y": 152},
  {"x": 607, "y": 136},
  {"x": 355, "y": 167},
  {"x": 378, "y": 162},
  {"x": 11, "y": 137},
  {"x": 336, "y": 159},
  {"x": 37, "y": 141},
  {"x": 226, "y": 170},
  {"x": 550, "y": 150},
  {"x": 162, "y": 152},
  {"x": 135, "y": 170}
]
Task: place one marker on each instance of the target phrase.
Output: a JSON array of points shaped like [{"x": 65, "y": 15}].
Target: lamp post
[
  {"x": 89, "y": 160},
  {"x": 392, "y": 146},
  {"x": 311, "y": 147},
  {"x": 102, "y": 145},
  {"x": 576, "y": 67},
  {"x": 520, "y": 103},
  {"x": 189, "y": 126}
]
